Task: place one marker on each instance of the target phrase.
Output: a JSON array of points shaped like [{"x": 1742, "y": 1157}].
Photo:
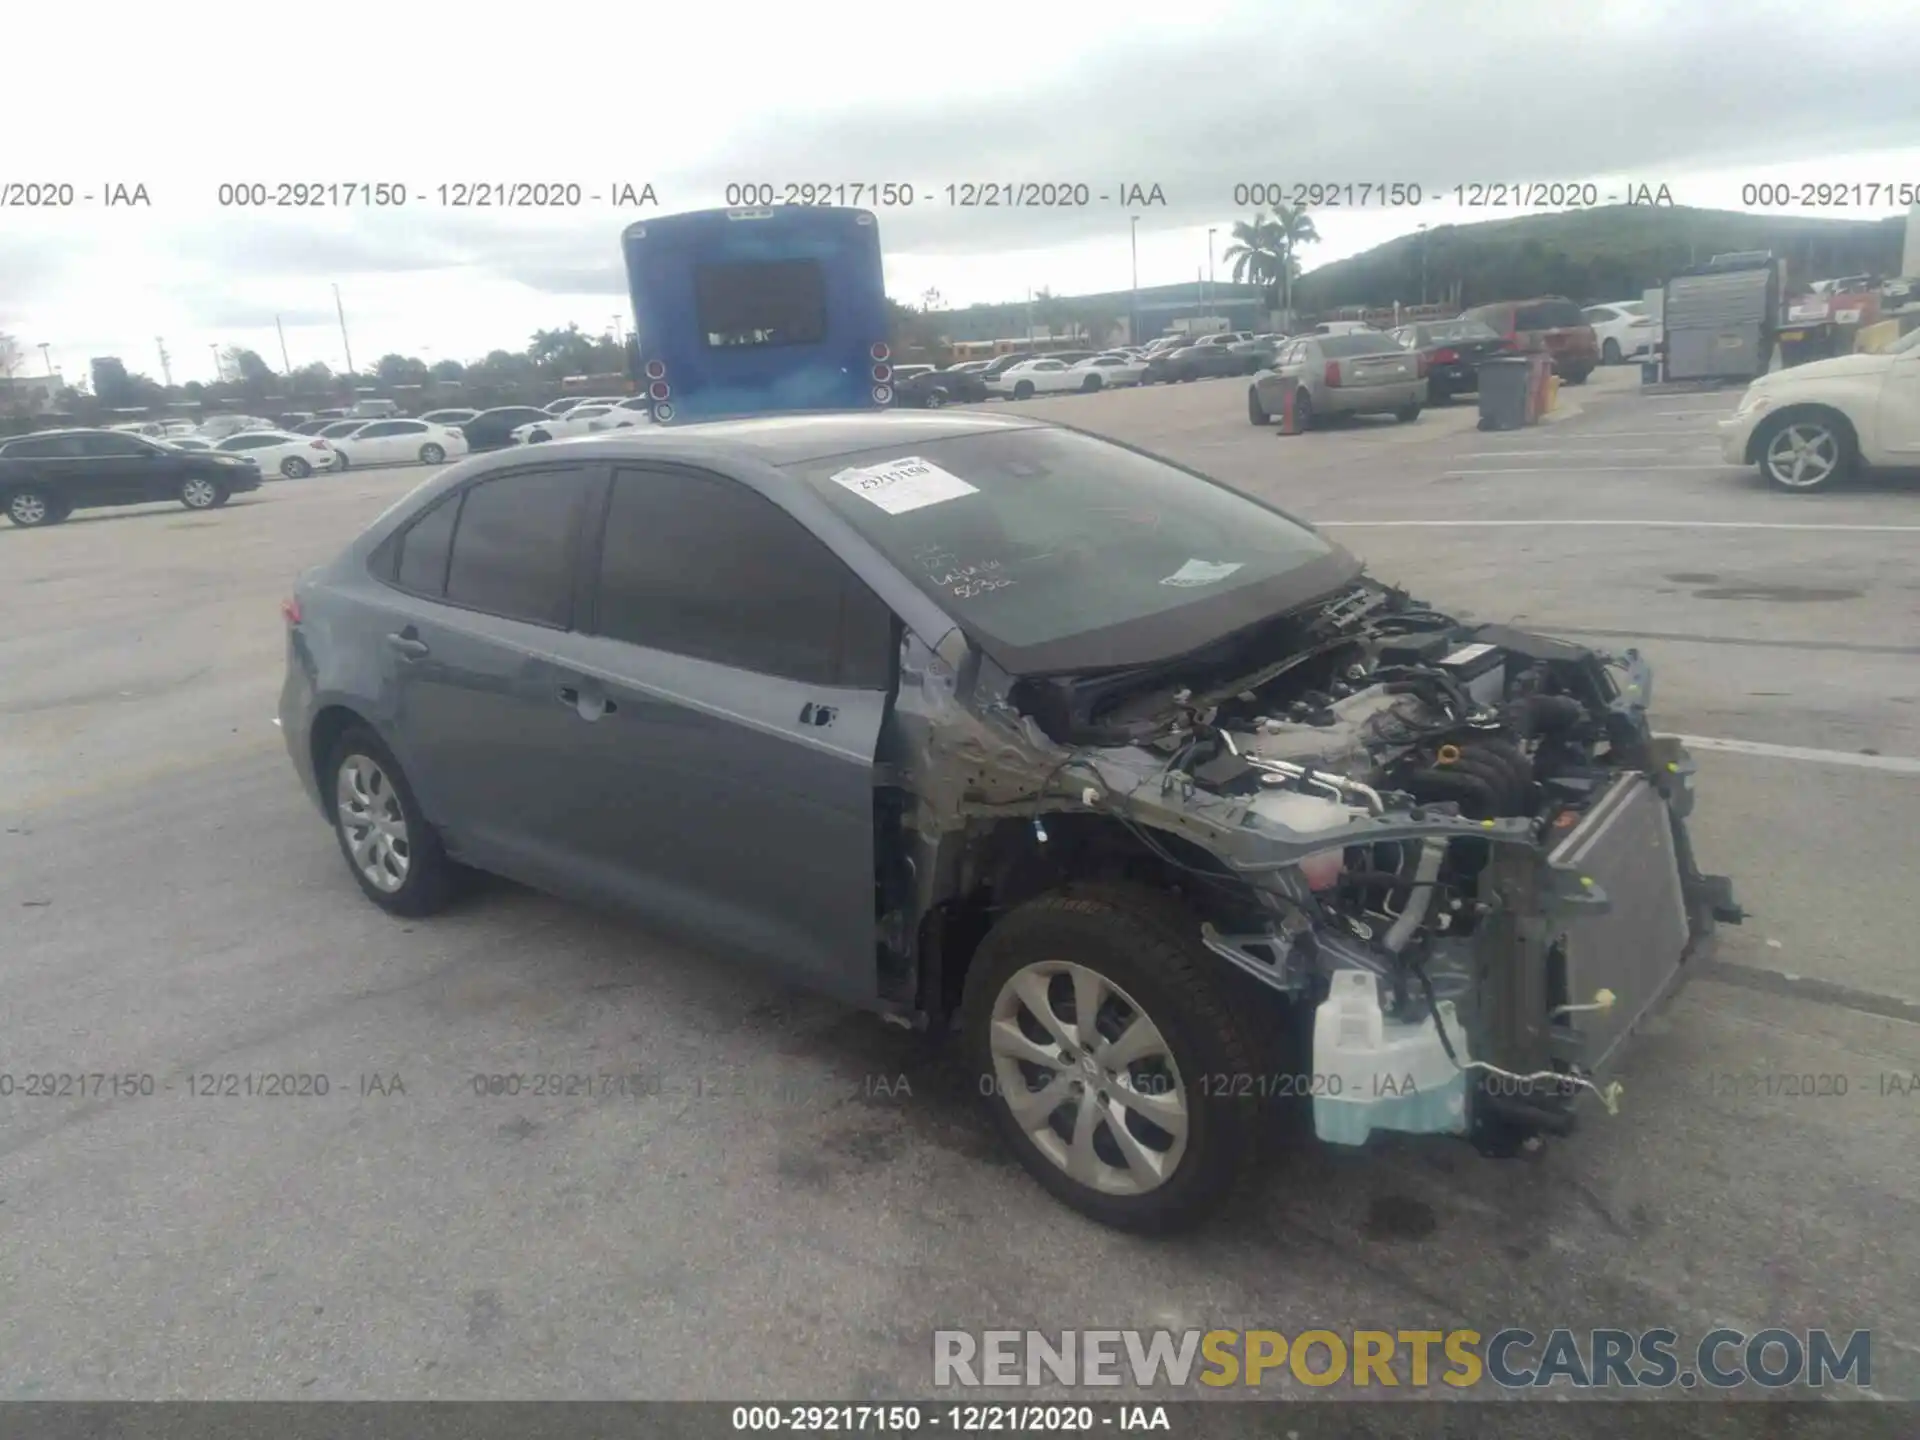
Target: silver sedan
[{"x": 1352, "y": 374}]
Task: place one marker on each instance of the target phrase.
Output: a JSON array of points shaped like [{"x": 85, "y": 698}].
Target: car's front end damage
[{"x": 1459, "y": 848}]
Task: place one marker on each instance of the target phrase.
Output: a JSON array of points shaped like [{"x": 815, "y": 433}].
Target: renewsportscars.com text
[{"x": 1510, "y": 1359}]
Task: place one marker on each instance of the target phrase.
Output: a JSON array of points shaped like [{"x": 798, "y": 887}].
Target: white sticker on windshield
[
  {"x": 1201, "y": 572},
  {"x": 902, "y": 485}
]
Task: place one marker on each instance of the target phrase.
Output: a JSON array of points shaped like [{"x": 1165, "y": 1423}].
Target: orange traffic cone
[{"x": 1288, "y": 426}]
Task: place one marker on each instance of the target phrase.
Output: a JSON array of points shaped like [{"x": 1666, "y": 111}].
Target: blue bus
[{"x": 750, "y": 312}]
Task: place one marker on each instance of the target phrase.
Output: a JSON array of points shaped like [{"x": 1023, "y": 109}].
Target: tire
[
  {"x": 339, "y": 460},
  {"x": 538, "y": 437},
  {"x": 1255, "y": 414},
  {"x": 1139, "y": 953},
  {"x": 1578, "y": 377},
  {"x": 1407, "y": 414},
  {"x": 1610, "y": 353},
  {"x": 294, "y": 468},
  {"x": 31, "y": 508},
  {"x": 1090, "y": 384},
  {"x": 197, "y": 492},
  {"x": 1023, "y": 390},
  {"x": 363, "y": 778},
  {"x": 432, "y": 454},
  {"x": 936, "y": 399},
  {"x": 1303, "y": 416},
  {"x": 1816, "y": 445}
]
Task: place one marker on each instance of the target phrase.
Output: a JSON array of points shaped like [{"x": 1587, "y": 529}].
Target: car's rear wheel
[
  {"x": 432, "y": 454},
  {"x": 1023, "y": 390},
  {"x": 339, "y": 460},
  {"x": 1407, "y": 414},
  {"x": 30, "y": 507},
  {"x": 294, "y": 468},
  {"x": 1103, "y": 1047},
  {"x": 1256, "y": 412},
  {"x": 538, "y": 437},
  {"x": 1090, "y": 384},
  {"x": 936, "y": 399},
  {"x": 1578, "y": 377},
  {"x": 1610, "y": 353},
  {"x": 1303, "y": 416},
  {"x": 395, "y": 856},
  {"x": 197, "y": 492},
  {"x": 1807, "y": 451}
]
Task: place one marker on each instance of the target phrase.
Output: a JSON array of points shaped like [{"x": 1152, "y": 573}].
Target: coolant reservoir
[{"x": 1372, "y": 1073}]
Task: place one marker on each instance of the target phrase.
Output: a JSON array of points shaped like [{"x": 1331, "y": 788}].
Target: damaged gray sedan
[{"x": 991, "y": 725}]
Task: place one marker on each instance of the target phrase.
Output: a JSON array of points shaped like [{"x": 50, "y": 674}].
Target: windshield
[
  {"x": 1059, "y": 551},
  {"x": 1339, "y": 346}
]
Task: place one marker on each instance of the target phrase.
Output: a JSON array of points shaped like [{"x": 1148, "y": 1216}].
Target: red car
[{"x": 1551, "y": 323}]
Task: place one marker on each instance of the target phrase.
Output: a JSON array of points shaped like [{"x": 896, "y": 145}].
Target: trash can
[
  {"x": 1506, "y": 386},
  {"x": 1650, "y": 371}
]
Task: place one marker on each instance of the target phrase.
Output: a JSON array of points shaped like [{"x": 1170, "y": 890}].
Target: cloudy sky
[{"x": 1195, "y": 98}]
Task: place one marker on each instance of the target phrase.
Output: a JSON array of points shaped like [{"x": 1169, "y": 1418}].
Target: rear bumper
[
  {"x": 296, "y": 721},
  {"x": 1373, "y": 400}
]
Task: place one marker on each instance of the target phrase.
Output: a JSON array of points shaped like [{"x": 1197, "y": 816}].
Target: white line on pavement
[
  {"x": 1569, "y": 454},
  {"x": 1588, "y": 469},
  {"x": 1605, "y": 436},
  {"x": 1620, "y": 524},
  {"x": 1893, "y": 764}
]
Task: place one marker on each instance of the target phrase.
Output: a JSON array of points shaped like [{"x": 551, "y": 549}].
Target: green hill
[{"x": 1611, "y": 252}]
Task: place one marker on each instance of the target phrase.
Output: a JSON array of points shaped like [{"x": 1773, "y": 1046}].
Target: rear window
[
  {"x": 1040, "y": 538},
  {"x": 761, "y": 303},
  {"x": 1548, "y": 315},
  {"x": 1456, "y": 332},
  {"x": 1338, "y": 347}
]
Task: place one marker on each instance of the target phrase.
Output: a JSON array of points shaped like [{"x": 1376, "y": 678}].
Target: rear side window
[
  {"x": 783, "y": 604},
  {"x": 1548, "y": 315},
  {"x": 512, "y": 548},
  {"x": 424, "y": 547}
]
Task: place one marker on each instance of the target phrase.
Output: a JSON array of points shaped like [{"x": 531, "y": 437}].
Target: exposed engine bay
[{"x": 1460, "y": 843}]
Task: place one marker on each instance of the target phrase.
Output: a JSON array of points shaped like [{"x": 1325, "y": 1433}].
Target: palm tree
[{"x": 1265, "y": 250}]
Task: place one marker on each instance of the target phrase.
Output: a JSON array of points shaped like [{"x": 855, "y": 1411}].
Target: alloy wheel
[
  {"x": 199, "y": 493},
  {"x": 1803, "y": 455},
  {"x": 27, "y": 508},
  {"x": 374, "y": 823},
  {"x": 1089, "y": 1077}
]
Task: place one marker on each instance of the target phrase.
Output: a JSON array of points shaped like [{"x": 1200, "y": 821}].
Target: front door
[
  {"x": 123, "y": 468},
  {"x": 1899, "y": 420},
  {"x": 730, "y": 700}
]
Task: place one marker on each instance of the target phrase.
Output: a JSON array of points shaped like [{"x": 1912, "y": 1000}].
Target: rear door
[
  {"x": 387, "y": 441},
  {"x": 483, "y": 593},
  {"x": 731, "y": 713}
]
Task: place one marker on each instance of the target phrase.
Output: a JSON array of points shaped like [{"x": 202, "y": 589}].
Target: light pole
[
  {"x": 1423, "y": 265},
  {"x": 1210, "y": 230},
  {"x": 1133, "y": 317},
  {"x": 341, "y": 311},
  {"x": 619, "y": 329},
  {"x": 166, "y": 364},
  {"x": 219, "y": 370},
  {"x": 286, "y": 365},
  {"x": 46, "y": 358}
]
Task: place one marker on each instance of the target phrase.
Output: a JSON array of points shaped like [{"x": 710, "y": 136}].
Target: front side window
[
  {"x": 513, "y": 545},
  {"x": 783, "y": 604},
  {"x": 117, "y": 447},
  {"x": 761, "y": 303}
]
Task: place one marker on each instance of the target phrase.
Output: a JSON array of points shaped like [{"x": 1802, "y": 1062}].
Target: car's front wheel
[
  {"x": 1104, "y": 1050},
  {"x": 1023, "y": 390},
  {"x": 936, "y": 399},
  {"x": 1807, "y": 451},
  {"x": 432, "y": 454},
  {"x": 197, "y": 492},
  {"x": 395, "y": 856},
  {"x": 1407, "y": 414},
  {"x": 1090, "y": 384},
  {"x": 538, "y": 437},
  {"x": 1610, "y": 353}
]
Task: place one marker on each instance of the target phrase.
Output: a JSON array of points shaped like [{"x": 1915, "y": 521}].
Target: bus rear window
[{"x": 774, "y": 302}]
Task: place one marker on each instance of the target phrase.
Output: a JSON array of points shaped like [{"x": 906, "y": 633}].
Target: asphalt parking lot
[{"x": 802, "y": 1196}]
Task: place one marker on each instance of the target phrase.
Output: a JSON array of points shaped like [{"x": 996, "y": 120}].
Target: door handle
[
  {"x": 590, "y": 709},
  {"x": 412, "y": 647}
]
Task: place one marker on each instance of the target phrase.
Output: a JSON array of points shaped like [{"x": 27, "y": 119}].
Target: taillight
[
  {"x": 1419, "y": 365},
  {"x": 290, "y": 610},
  {"x": 659, "y": 390},
  {"x": 656, "y": 370},
  {"x": 880, "y": 374},
  {"x": 1332, "y": 376},
  {"x": 879, "y": 351},
  {"x": 1446, "y": 357}
]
